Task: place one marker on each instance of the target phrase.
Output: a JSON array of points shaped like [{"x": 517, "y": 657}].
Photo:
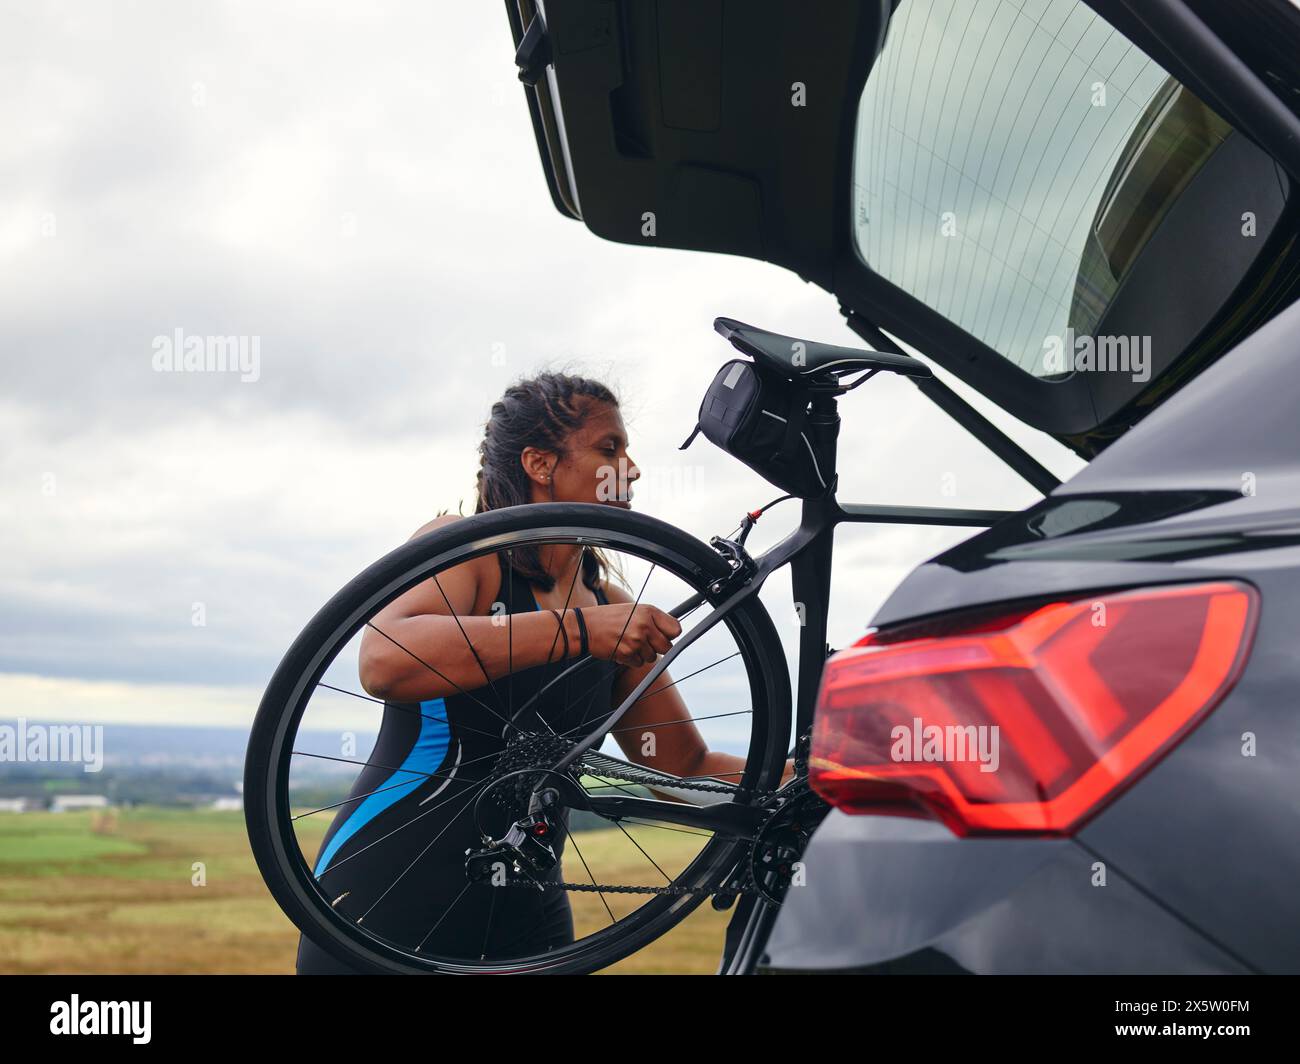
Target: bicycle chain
[{"x": 740, "y": 881}]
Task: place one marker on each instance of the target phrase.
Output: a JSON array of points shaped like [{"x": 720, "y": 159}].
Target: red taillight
[{"x": 1031, "y": 723}]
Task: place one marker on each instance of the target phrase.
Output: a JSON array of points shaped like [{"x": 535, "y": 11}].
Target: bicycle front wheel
[{"x": 367, "y": 854}]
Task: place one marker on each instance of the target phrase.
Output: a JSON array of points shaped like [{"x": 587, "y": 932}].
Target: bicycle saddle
[{"x": 794, "y": 359}]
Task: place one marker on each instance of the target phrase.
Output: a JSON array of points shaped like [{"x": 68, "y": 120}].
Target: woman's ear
[{"x": 538, "y": 465}]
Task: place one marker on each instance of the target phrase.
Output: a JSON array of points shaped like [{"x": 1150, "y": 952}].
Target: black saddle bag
[{"x": 761, "y": 419}]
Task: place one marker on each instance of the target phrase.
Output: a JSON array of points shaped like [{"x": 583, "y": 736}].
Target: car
[
  {"x": 1178, "y": 858},
  {"x": 1068, "y": 744}
]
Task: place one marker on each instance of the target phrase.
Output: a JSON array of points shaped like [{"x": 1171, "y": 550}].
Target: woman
[{"x": 554, "y": 438}]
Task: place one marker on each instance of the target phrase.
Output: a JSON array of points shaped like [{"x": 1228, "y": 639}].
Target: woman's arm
[
  {"x": 658, "y": 731},
  {"x": 428, "y": 642},
  {"x": 421, "y": 631}
]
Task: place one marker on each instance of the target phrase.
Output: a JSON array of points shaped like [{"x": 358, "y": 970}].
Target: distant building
[
  {"x": 227, "y": 804},
  {"x": 14, "y": 805},
  {"x": 70, "y": 803}
]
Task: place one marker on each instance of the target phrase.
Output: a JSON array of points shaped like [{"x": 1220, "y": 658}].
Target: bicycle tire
[{"x": 266, "y": 804}]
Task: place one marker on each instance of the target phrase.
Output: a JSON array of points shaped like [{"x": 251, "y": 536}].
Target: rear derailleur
[{"x": 526, "y": 853}]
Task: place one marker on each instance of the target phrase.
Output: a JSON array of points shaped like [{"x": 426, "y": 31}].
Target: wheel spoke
[
  {"x": 633, "y": 841},
  {"x": 349, "y": 801},
  {"x": 400, "y": 827},
  {"x": 403, "y": 708},
  {"x": 380, "y": 790},
  {"x": 683, "y": 720},
  {"x": 487, "y": 933},
  {"x": 584, "y": 662},
  {"x": 509, "y": 579},
  {"x": 636, "y": 602},
  {"x": 468, "y": 642},
  {"x": 428, "y": 846},
  {"x": 593, "y": 760},
  {"x": 559, "y": 715},
  {"x": 363, "y": 764},
  {"x": 683, "y": 679},
  {"x": 655, "y": 690},
  {"x": 612, "y": 918},
  {"x": 684, "y": 831},
  {"x": 445, "y": 914},
  {"x": 582, "y": 554},
  {"x": 458, "y": 687},
  {"x": 623, "y": 631}
]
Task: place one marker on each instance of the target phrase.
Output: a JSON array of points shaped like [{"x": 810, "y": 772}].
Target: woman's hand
[{"x": 638, "y": 640}]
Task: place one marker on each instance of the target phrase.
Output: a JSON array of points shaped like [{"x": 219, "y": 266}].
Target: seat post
[
  {"x": 810, "y": 569},
  {"x": 824, "y": 424}
]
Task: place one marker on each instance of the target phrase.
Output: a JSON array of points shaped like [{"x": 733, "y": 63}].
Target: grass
[{"x": 176, "y": 891}]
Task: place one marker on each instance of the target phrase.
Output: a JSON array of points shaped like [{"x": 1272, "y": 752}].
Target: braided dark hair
[{"x": 541, "y": 412}]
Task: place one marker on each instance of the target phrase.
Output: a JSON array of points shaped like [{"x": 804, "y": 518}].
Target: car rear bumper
[{"x": 889, "y": 894}]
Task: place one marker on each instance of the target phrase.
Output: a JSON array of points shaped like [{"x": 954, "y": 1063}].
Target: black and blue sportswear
[{"x": 395, "y": 852}]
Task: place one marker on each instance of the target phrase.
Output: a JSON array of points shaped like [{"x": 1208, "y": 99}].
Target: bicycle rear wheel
[{"x": 738, "y": 690}]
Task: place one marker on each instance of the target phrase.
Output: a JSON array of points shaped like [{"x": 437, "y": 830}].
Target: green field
[{"x": 114, "y": 893}]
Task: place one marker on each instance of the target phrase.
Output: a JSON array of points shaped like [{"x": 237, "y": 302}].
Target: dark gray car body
[
  {"x": 1201, "y": 856},
  {"x": 668, "y": 108}
]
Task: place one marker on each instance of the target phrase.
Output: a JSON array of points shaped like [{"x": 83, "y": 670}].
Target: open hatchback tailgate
[{"x": 992, "y": 184}]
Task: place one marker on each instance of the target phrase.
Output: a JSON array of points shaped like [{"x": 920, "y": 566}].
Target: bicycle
[{"x": 753, "y": 829}]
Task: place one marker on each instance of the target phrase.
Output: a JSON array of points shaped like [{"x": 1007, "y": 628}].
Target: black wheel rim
[{"x": 714, "y": 857}]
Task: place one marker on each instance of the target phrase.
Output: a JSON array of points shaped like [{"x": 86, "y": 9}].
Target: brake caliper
[{"x": 742, "y": 567}]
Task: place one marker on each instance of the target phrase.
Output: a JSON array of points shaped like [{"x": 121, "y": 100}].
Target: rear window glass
[{"x": 1011, "y": 159}]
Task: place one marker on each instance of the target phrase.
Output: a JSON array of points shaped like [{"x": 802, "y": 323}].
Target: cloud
[{"x": 356, "y": 186}]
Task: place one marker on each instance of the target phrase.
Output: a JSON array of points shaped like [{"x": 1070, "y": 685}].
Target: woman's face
[{"x": 596, "y": 467}]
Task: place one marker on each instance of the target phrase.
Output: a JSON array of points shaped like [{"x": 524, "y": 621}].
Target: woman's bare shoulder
[
  {"x": 484, "y": 566},
  {"x": 438, "y": 522},
  {"x": 615, "y": 592}
]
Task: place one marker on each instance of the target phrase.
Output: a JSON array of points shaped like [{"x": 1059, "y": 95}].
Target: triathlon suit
[{"x": 397, "y": 856}]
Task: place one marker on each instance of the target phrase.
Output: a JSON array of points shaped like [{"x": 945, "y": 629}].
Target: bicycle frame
[{"x": 808, "y": 551}]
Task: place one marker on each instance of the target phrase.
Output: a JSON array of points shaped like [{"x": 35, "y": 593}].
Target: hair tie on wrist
[
  {"x": 584, "y": 646},
  {"x": 560, "y": 621}
]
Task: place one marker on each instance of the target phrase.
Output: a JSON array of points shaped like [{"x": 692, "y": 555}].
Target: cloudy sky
[{"x": 355, "y": 185}]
